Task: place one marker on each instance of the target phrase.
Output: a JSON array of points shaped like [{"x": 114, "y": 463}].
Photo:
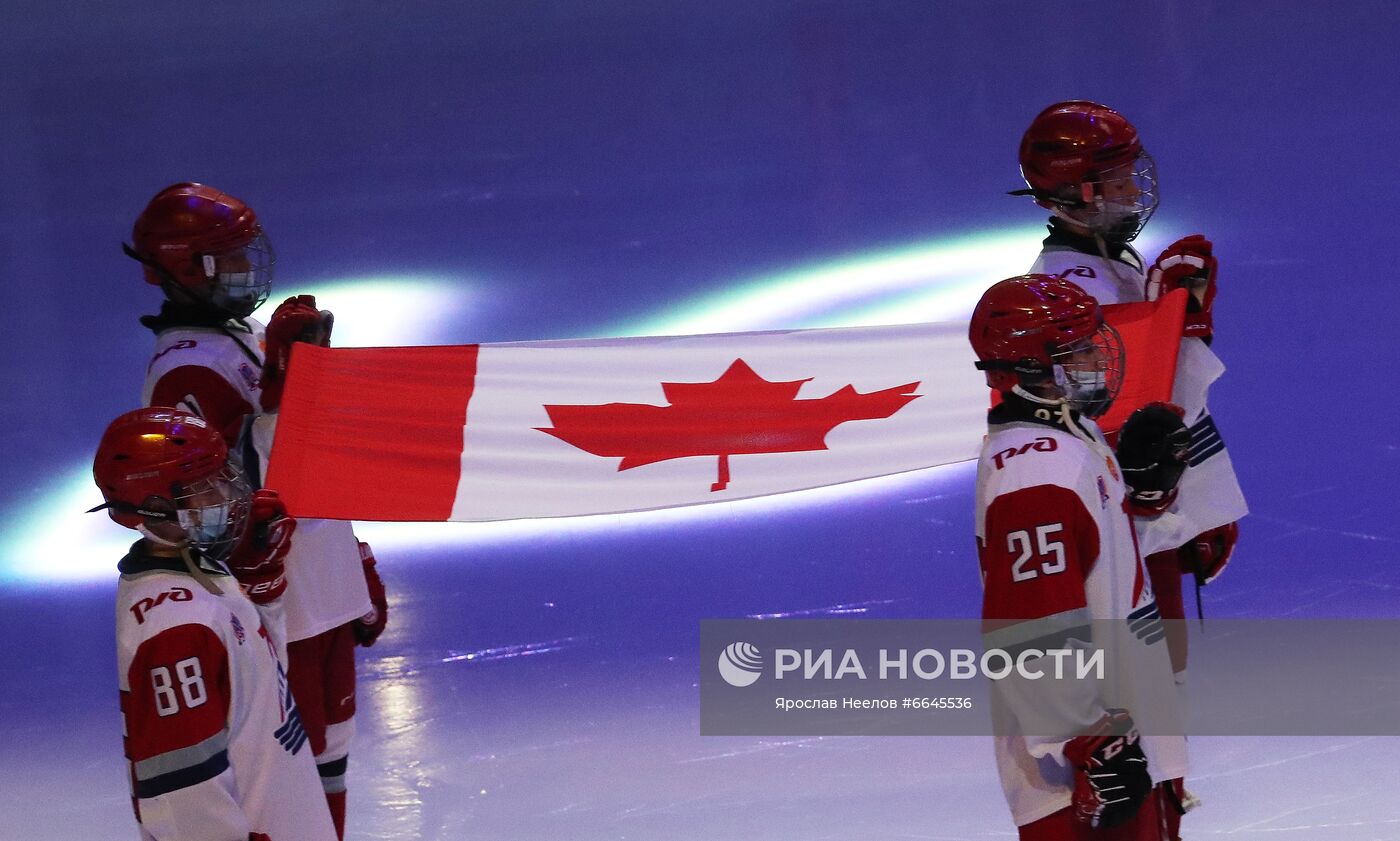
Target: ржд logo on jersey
[
  {"x": 144, "y": 606},
  {"x": 1076, "y": 271},
  {"x": 183, "y": 344},
  {"x": 1040, "y": 445}
]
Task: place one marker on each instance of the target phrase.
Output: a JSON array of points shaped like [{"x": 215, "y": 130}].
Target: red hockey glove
[
  {"x": 1208, "y": 552},
  {"x": 1111, "y": 779},
  {"x": 1187, "y": 264},
  {"x": 258, "y": 836},
  {"x": 296, "y": 320},
  {"x": 257, "y": 561},
  {"x": 1153, "y": 446},
  {"x": 368, "y": 627}
]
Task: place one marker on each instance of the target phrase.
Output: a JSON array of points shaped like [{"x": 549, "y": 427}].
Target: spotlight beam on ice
[
  {"x": 391, "y": 311},
  {"x": 933, "y": 281}
]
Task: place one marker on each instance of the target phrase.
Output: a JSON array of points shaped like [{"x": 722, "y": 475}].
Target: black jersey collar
[
  {"x": 173, "y": 314},
  {"x": 138, "y": 559},
  {"x": 1061, "y": 237},
  {"x": 1014, "y": 408}
]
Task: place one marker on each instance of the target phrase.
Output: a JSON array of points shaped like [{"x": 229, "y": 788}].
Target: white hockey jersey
[
  {"x": 1210, "y": 491},
  {"x": 210, "y": 372},
  {"x": 1062, "y": 568},
  {"x": 214, "y": 739},
  {"x": 325, "y": 577}
]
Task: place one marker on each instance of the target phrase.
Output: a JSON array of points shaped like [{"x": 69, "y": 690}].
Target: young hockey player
[
  {"x": 212, "y": 732},
  {"x": 1084, "y": 163},
  {"x": 207, "y": 252},
  {"x": 1059, "y": 553}
]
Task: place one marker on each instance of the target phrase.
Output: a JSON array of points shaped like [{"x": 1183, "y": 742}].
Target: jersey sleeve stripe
[
  {"x": 1205, "y": 441},
  {"x": 183, "y": 778},
  {"x": 179, "y": 759},
  {"x": 1040, "y": 633},
  {"x": 333, "y": 774},
  {"x": 292, "y": 735},
  {"x": 1147, "y": 612},
  {"x": 1146, "y": 623}
]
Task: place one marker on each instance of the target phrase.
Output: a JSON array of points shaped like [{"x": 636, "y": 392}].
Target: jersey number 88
[{"x": 190, "y": 678}]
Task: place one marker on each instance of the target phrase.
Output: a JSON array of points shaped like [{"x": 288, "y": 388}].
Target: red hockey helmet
[
  {"x": 1085, "y": 160},
  {"x": 1045, "y": 337},
  {"x": 1070, "y": 141},
  {"x": 207, "y": 243},
  {"x": 164, "y": 464}
]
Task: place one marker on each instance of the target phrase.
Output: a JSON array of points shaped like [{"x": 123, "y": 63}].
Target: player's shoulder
[
  {"x": 1021, "y": 454},
  {"x": 202, "y": 347},
  {"x": 154, "y": 601},
  {"x": 1036, "y": 464},
  {"x": 239, "y": 336},
  {"x": 208, "y": 354},
  {"x": 1089, "y": 272},
  {"x": 185, "y": 342}
]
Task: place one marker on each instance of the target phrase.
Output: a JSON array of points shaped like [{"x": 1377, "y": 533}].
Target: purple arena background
[{"x": 555, "y": 170}]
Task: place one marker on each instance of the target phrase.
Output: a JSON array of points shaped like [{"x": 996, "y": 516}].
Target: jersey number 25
[{"x": 1050, "y": 553}]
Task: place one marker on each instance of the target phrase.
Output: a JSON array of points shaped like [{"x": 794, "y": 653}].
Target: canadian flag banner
[{"x": 567, "y": 428}]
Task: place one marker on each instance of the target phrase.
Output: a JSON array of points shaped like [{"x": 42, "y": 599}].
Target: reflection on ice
[{"x": 506, "y": 652}]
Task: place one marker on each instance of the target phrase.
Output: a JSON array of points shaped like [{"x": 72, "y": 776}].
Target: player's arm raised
[
  {"x": 1190, "y": 264},
  {"x": 176, "y": 714},
  {"x": 258, "y": 562},
  {"x": 295, "y": 320}
]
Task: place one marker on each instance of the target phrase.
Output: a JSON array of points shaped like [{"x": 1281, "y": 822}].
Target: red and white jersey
[
  {"x": 1062, "y": 568},
  {"x": 325, "y": 576},
  {"x": 215, "y": 741},
  {"x": 209, "y": 372},
  {"x": 1210, "y": 491}
]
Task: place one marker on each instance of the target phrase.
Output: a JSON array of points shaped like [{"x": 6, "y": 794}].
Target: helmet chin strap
[
  {"x": 1102, "y": 245},
  {"x": 1061, "y": 211},
  {"x": 161, "y": 541},
  {"x": 1075, "y": 429},
  {"x": 196, "y": 572},
  {"x": 183, "y": 546},
  {"x": 1044, "y": 401}
]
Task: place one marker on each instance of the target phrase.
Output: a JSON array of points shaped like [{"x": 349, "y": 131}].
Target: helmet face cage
[
  {"x": 1089, "y": 372},
  {"x": 240, "y": 279},
  {"x": 213, "y": 511},
  {"x": 1118, "y": 202}
]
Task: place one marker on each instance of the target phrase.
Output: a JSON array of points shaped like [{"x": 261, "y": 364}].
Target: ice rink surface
[{"x": 550, "y": 170}]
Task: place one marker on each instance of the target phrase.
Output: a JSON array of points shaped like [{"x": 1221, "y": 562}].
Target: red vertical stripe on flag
[
  {"x": 1151, "y": 334},
  {"x": 372, "y": 433}
]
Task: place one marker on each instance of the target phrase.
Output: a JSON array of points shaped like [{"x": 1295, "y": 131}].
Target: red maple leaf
[{"x": 739, "y": 413}]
